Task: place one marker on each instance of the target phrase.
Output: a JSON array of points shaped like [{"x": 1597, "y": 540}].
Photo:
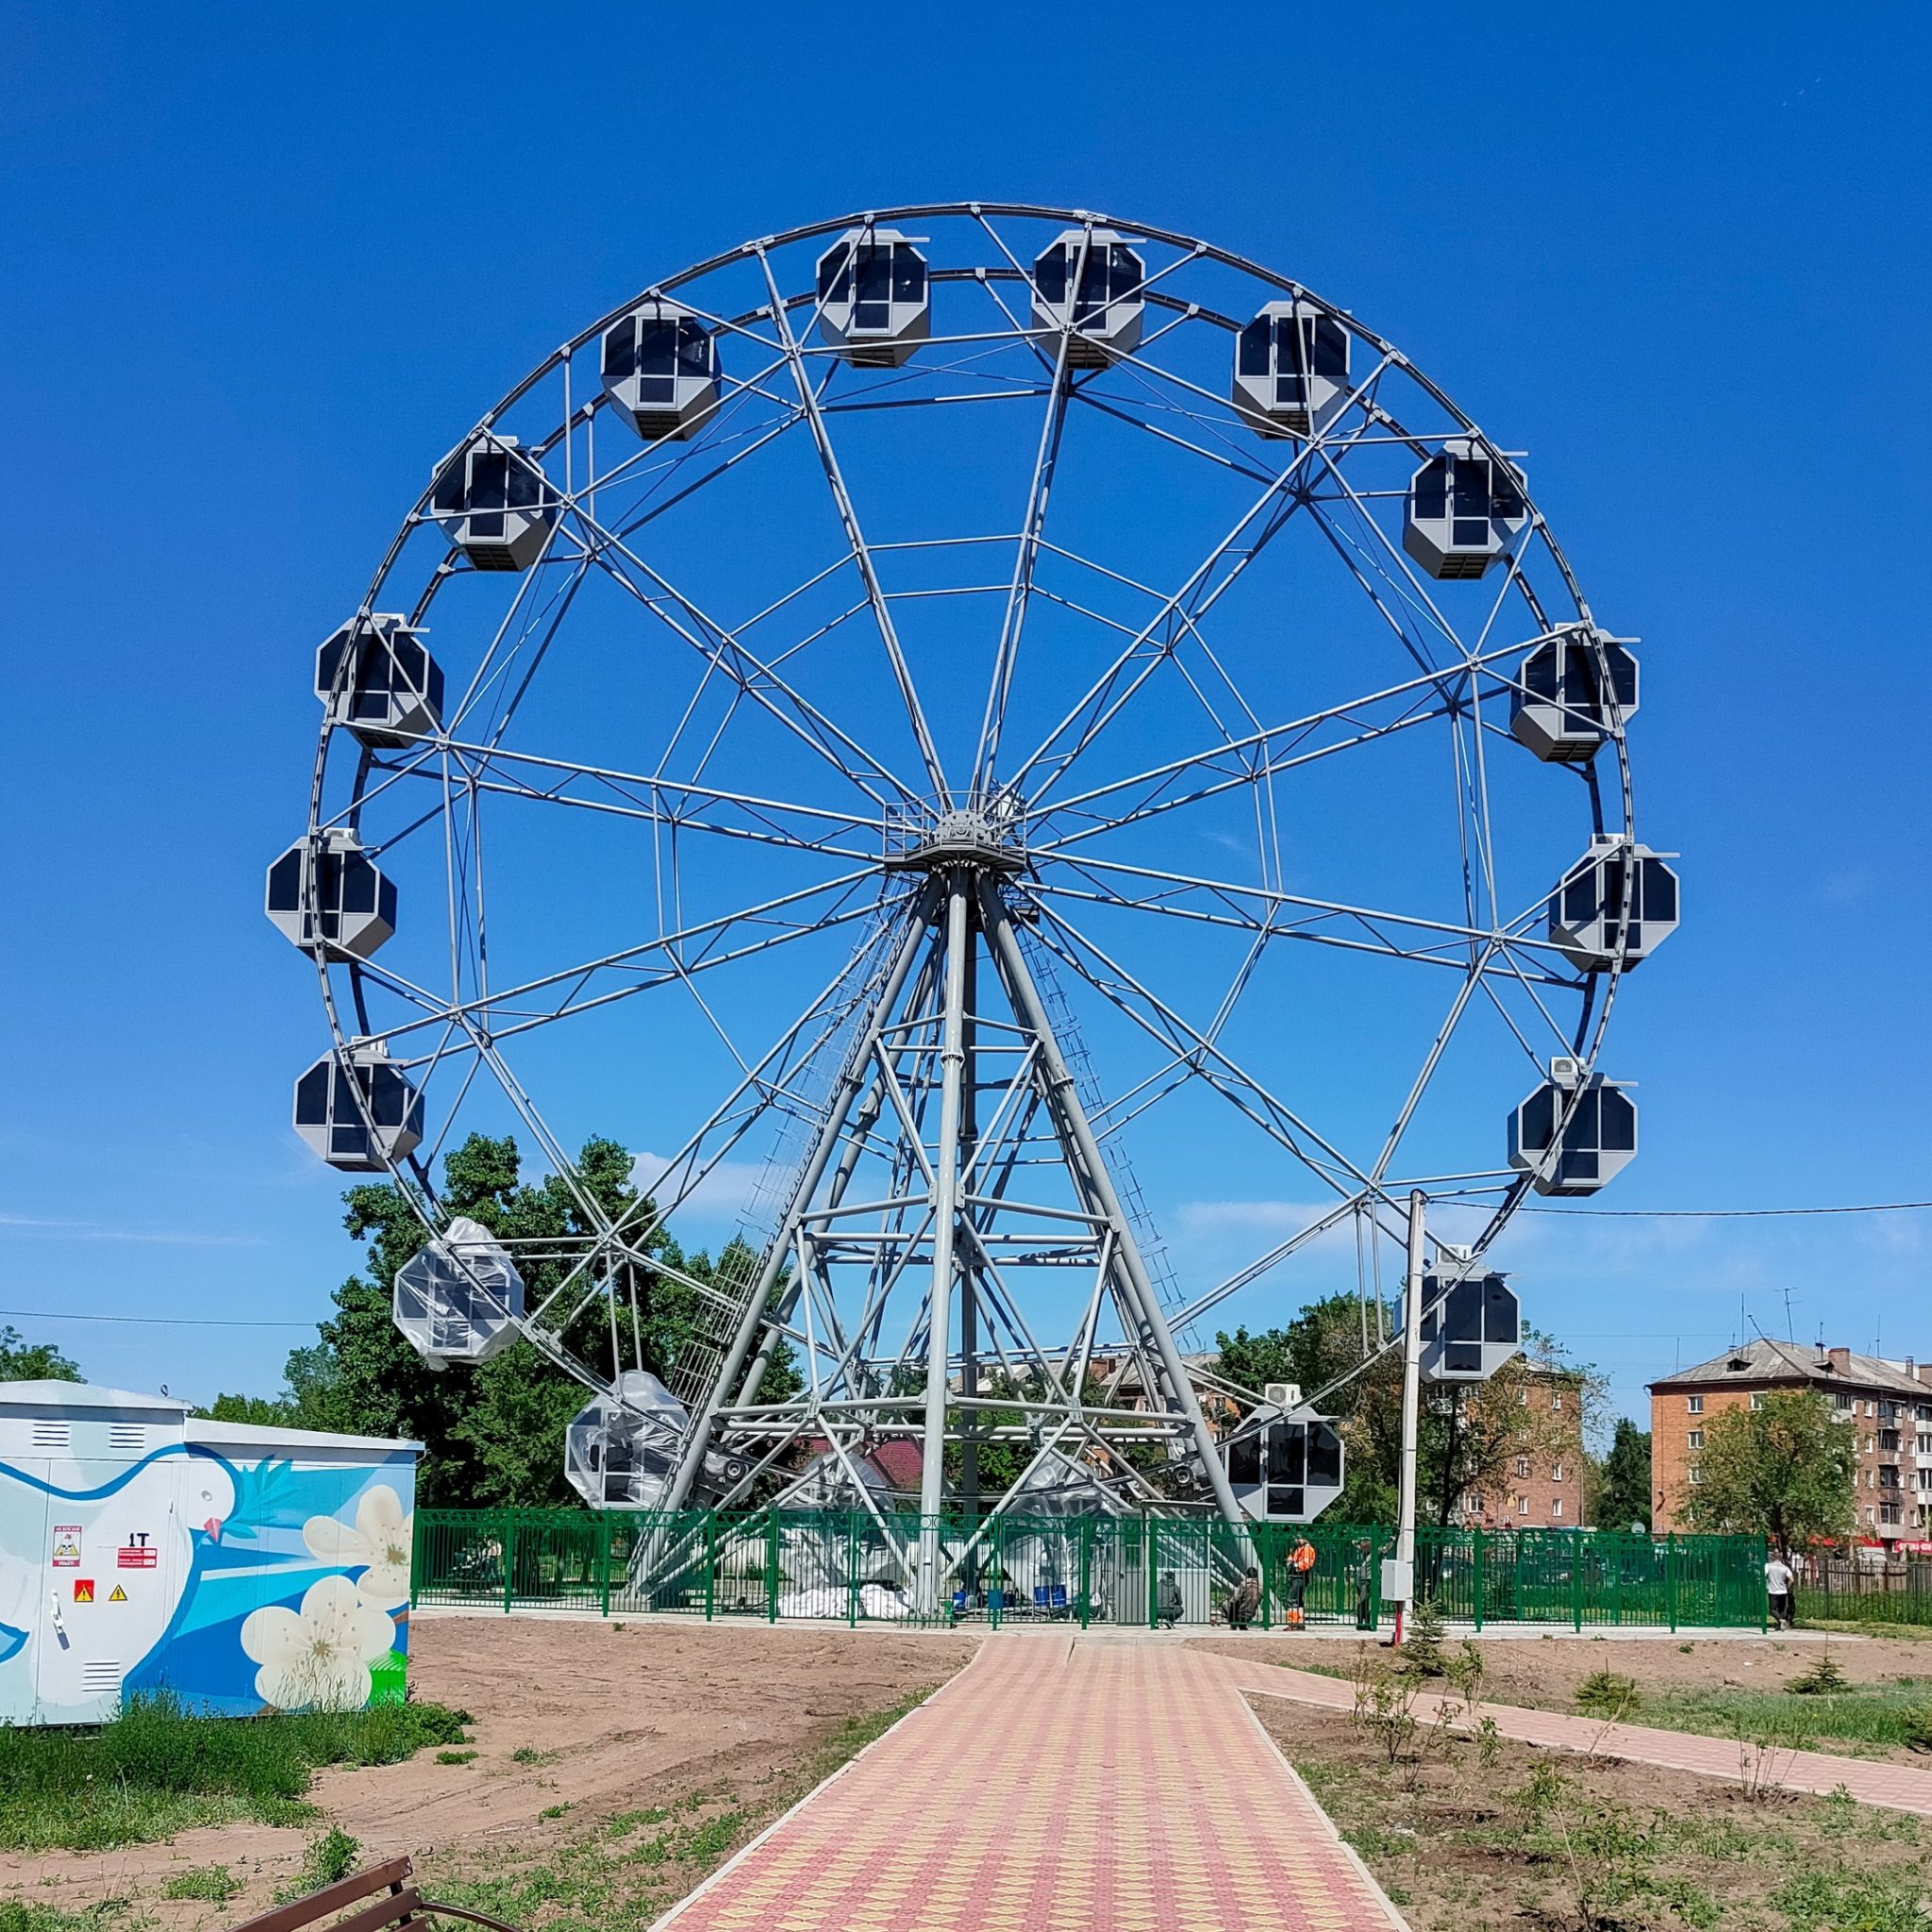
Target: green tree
[
  {"x": 262, "y": 1411},
  {"x": 1786, "y": 1470},
  {"x": 1623, "y": 1480},
  {"x": 21, "y": 1360}
]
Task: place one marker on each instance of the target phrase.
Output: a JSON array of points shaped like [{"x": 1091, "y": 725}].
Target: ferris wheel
[{"x": 899, "y": 713}]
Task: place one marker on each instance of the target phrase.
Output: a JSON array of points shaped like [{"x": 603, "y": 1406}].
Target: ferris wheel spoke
[
  {"x": 700, "y": 947},
  {"x": 1273, "y": 915},
  {"x": 855, "y": 537},
  {"x": 1209, "y": 1061}
]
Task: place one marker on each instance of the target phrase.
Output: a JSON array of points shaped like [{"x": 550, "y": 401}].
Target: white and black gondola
[
  {"x": 874, "y": 298},
  {"x": 357, "y": 1110},
  {"x": 327, "y": 895},
  {"x": 494, "y": 502},
  {"x": 1575, "y": 687},
  {"x": 1089, "y": 283},
  {"x": 1615, "y": 907},
  {"x": 662, "y": 371},
  {"x": 1291, "y": 369},
  {"x": 378, "y": 682},
  {"x": 1466, "y": 506},
  {"x": 1574, "y": 1133}
]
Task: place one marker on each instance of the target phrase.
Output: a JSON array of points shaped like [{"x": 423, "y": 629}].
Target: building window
[
  {"x": 1925, "y": 1443},
  {"x": 1555, "y": 1472},
  {"x": 1841, "y": 1402},
  {"x": 1888, "y": 1476},
  {"x": 1556, "y": 1507},
  {"x": 1923, "y": 1411},
  {"x": 1887, "y": 1440},
  {"x": 1523, "y": 1398},
  {"x": 1758, "y": 1398},
  {"x": 1694, "y": 1440},
  {"x": 1523, "y": 1506},
  {"x": 1888, "y": 1411},
  {"x": 1890, "y": 1513},
  {"x": 1555, "y": 1400},
  {"x": 1695, "y": 1473},
  {"x": 1522, "y": 1465},
  {"x": 1871, "y": 1445},
  {"x": 1694, "y": 1403}
]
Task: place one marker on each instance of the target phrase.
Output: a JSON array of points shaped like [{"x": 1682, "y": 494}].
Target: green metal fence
[{"x": 853, "y": 1567}]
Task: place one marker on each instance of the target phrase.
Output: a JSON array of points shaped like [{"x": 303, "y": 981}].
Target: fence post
[
  {"x": 603, "y": 1530},
  {"x": 418, "y": 1543},
  {"x": 711, "y": 1563},
  {"x": 1763, "y": 1556},
  {"x": 1086, "y": 1571},
  {"x": 852, "y": 1567},
  {"x": 772, "y": 1566},
  {"x": 1478, "y": 1567},
  {"x": 509, "y": 1553},
  {"x": 1671, "y": 1576},
  {"x": 1149, "y": 1547},
  {"x": 1576, "y": 1583}
]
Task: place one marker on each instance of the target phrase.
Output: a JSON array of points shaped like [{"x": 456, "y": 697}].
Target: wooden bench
[{"x": 393, "y": 1901}]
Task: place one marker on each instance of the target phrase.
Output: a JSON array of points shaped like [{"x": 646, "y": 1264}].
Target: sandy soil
[
  {"x": 1461, "y": 1846},
  {"x": 622, "y": 1716},
  {"x": 1545, "y": 1673}
]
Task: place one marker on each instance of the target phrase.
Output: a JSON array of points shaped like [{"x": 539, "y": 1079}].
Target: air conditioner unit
[
  {"x": 1566, "y": 1072},
  {"x": 1282, "y": 1394}
]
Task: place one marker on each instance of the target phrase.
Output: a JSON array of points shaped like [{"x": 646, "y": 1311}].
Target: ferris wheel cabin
[
  {"x": 1291, "y": 369},
  {"x": 380, "y": 682},
  {"x": 620, "y": 1451},
  {"x": 1616, "y": 906},
  {"x": 494, "y": 502},
  {"x": 1284, "y": 1468},
  {"x": 874, "y": 298},
  {"x": 1090, "y": 281},
  {"x": 358, "y": 1111},
  {"x": 1465, "y": 507},
  {"x": 661, "y": 371},
  {"x": 460, "y": 1299},
  {"x": 1471, "y": 1324},
  {"x": 1574, "y": 1133},
  {"x": 1574, "y": 689},
  {"x": 325, "y": 895}
]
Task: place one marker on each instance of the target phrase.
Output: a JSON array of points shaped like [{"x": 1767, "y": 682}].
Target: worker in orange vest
[{"x": 1301, "y": 1560}]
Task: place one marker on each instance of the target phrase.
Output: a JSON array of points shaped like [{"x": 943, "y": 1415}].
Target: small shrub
[
  {"x": 553, "y": 1812},
  {"x": 1421, "y": 1640},
  {"x": 331, "y": 1857},
  {"x": 528, "y": 1754},
  {"x": 214, "y": 1883},
  {"x": 1604, "y": 1693},
  {"x": 1915, "y": 1727},
  {"x": 1824, "y": 1679},
  {"x": 455, "y": 1757}
]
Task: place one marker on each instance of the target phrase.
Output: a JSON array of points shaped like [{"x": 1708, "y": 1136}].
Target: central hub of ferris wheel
[{"x": 938, "y": 839}]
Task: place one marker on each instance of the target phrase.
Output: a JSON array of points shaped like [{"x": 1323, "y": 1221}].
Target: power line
[
  {"x": 145, "y": 1321},
  {"x": 1731, "y": 1213}
]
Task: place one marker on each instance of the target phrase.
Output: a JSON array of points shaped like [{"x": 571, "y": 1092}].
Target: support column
[
  {"x": 1411, "y": 1413},
  {"x": 1077, "y": 1140},
  {"x": 945, "y": 1213},
  {"x": 844, "y": 1096}
]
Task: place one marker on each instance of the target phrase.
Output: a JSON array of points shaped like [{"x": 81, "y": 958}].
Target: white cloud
[
  {"x": 722, "y": 1195},
  {"x": 96, "y": 1231}
]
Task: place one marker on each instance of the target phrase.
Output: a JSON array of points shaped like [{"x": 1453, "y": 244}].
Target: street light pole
[{"x": 1403, "y": 1578}]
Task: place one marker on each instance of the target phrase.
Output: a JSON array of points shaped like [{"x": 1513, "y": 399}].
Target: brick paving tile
[
  {"x": 1056, "y": 1786},
  {"x": 1898, "y": 1787}
]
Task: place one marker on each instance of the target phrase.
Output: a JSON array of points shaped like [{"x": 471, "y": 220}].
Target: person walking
[
  {"x": 1780, "y": 1583},
  {"x": 1245, "y": 1600}
]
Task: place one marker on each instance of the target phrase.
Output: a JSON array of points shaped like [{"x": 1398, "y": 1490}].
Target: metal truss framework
[{"x": 943, "y": 1164}]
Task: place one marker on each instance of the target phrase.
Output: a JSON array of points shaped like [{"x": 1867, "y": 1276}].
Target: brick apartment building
[
  {"x": 1887, "y": 1404},
  {"x": 1544, "y": 1487}
]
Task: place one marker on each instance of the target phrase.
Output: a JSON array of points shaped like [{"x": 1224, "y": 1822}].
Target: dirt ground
[
  {"x": 1544, "y": 1673},
  {"x": 620, "y": 1717},
  {"x": 1468, "y": 1839}
]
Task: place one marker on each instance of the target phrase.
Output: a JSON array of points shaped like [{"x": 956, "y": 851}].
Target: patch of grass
[
  {"x": 109, "y": 1916},
  {"x": 212, "y": 1882},
  {"x": 553, "y": 1812},
  {"x": 528, "y": 1754},
  {"x": 456, "y": 1757},
  {"x": 156, "y": 1771},
  {"x": 1849, "y": 1899},
  {"x": 331, "y": 1857},
  {"x": 1879, "y": 1714}
]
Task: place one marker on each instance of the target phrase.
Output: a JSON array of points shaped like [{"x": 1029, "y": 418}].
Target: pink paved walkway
[
  {"x": 1056, "y": 1786},
  {"x": 1899, "y": 1787}
]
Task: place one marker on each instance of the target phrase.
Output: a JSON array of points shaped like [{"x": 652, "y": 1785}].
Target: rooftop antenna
[{"x": 1790, "y": 1333}]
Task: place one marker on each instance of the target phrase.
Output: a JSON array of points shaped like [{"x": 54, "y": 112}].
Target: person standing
[
  {"x": 1779, "y": 1582},
  {"x": 1301, "y": 1560}
]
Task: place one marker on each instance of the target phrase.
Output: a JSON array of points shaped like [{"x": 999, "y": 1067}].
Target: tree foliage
[
  {"x": 1623, "y": 1480},
  {"x": 21, "y": 1360},
  {"x": 1786, "y": 1470}
]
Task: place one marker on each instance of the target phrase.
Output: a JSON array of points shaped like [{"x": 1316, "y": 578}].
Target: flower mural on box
[
  {"x": 321, "y": 1653},
  {"x": 380, "y": 1539}
]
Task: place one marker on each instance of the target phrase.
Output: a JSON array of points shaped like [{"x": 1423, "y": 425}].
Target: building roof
[
  {"x": 267, "y": 1436},
  {"x": 58, "y": 1394},
  {"x": 1763, "y": 1360}
]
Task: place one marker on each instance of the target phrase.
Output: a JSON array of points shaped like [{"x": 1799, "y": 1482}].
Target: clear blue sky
[{"x": 262, "y": 266}]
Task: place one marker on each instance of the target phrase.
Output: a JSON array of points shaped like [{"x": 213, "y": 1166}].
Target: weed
[
  {"x": 1385, "y": 1706},
  {"x": 528, "y": 1754},
  {"x": 455, "y": 1757},
  {"x": 1821, "y": 1899},
  {"x": 1604, "y": 1693},
  {"x": 553, "y": 1812},
  {"x": 330, "y": 1859},
  {"x": 156, "y": 1770},
  {"x": 17, "y": 1916},
  {"x": 1824, "y": 1679},
  {"x": 214, "y": 1883},
  {"x": 1489, "y": 1743},
  {"x": 1687, "y": 1648}
]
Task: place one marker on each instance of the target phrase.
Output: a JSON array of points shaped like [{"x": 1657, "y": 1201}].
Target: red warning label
[
  {"x": 137, "y": 1552},
  {"x": 83, "y": 1590}
]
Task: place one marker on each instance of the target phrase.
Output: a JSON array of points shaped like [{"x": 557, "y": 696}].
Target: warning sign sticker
[
  {"x": 67, "y": 1545},
  {"x": 116, "y": 1595},
  {"x": 137, "y": 1552},
  {"x": 83, "y": 1590}
]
